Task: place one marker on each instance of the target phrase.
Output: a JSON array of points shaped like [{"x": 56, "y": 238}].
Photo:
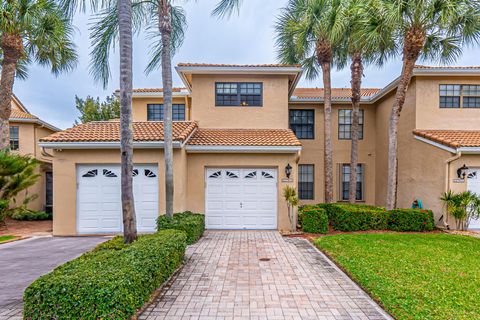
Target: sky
[{"x": 246, "y": 38}]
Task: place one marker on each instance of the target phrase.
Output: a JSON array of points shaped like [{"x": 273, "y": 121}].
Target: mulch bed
[{"x": 26, "y": 228}]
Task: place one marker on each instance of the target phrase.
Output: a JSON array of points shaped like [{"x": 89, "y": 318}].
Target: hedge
[
  {"x": 360, "y": 217},
  {"x": 411, "y": 220},
  {"x": 314, "y": 220},
  {"x": 110, "y": 282},
  {"x": 192, "y": 223}
]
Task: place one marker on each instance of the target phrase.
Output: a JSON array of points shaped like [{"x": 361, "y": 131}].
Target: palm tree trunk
[
  {"x": 357, "y": 72},
  {"x": 12, "y": 48},
  {"x": 165, "y": 26},
  {"x": 126, "y": 131},
  {"x": 328, "y": 157}
]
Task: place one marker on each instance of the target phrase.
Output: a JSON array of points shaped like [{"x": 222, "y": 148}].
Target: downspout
[{"x": 447, "y": 181}]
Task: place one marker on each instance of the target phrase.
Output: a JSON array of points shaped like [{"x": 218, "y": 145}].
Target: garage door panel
[
  {"x": 473, "y": 185},
  {"x": 241, "y": 199},
  {"x": 99, "y": 198}
]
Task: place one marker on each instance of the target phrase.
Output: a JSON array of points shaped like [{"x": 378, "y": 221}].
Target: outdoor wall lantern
[
  {"x": 462, "y": 172},
  {"x": 288, "y": 170}
]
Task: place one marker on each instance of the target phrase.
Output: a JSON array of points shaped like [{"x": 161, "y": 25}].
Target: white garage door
[
  {"x": 241, "y": 199},
  {"x": 99, "y": 207},
  {"x": 473, "y": 185}
]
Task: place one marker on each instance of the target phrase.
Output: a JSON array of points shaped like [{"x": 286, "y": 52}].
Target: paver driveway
[
  {"x": 226, "y": 277},
  {"x": 22, "y": 262}
]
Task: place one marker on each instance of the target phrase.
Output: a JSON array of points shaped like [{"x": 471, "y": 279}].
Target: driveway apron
[{"x": 260, "y": 275}]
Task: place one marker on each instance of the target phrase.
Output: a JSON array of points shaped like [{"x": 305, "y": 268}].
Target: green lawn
[
  {"x": 6, "y": 238},
  {"x": 414, "y": 276}
]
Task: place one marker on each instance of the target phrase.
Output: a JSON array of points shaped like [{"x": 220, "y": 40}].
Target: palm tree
[
  {"x": 31, "y": 31},
  {"x": 366, "y": 38},
  {"x": 305, "y": 30},
  {"x": 432, "y": 30}
]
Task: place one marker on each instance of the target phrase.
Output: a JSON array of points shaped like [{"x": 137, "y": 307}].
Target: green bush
[
  {"x": 110, "y": 282},
  {"x": 314, "y": 219},
  {"x": 348, "y": 217},
  {"x": 30, "y": 215},
  {"x": 3, "y": 209},
  {"x": 411, "y": 220},
  {"x": 192, "y": 223}
]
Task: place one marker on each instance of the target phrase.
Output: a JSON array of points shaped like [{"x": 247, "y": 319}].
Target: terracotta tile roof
[
  {"x": 451, "y": 138},
  {"x": 147, "y": 90},
  {"x": 238, "y": 65},
  {"x": 17, "y": 114},
  {"x": 337, "y": 93},
  {"x": 110, "y": 131},
  {"x": 448, "y": 67},
  {"x": 244, "y": 137}
]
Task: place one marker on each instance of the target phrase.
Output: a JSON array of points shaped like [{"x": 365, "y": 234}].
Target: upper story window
[
  {"x": 302, "y": 123},
  {"x": 239, "y": 94},
  {"x": 459, "y": 96},
  {"x": 345, "y": 121},
  {"x": 155, "y": 112},
  {"x": 14, "y": 141}
]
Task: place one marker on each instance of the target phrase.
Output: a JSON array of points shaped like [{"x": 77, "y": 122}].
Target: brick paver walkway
[{"x": 226, "y": 277}]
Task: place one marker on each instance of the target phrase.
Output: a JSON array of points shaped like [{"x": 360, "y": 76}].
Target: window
[
  {"x": 14, "y": 142},
  {"x": 345, "y": 124},
  {"x": 450, "y": 95},
  {"x": 302, "y": 123},
  {"x": 238, "y": 94},
  {"x": 345, "y": 178},
  {"x": 471, "y": 96},
  {"x": 459, "y": 96},
  {"x": 155, "y": 112},
  {"x": 305, "y": 181}
]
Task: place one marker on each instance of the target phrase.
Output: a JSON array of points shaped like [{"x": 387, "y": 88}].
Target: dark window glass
[
  {"x": 302, "y": 123},
  {"x": 450, "y": 95},
  {"x": 471, "y": 96},
  {"x": 14, "y": 141},
  {"x": 345, "y": 176},
  {"x": 48, "y": 192},
  {"x": 155, "y": 112},
  {"x": 305, "y": 181},
  {"x": 238, "y": 94},
  {"x": 345, "y": 124}
]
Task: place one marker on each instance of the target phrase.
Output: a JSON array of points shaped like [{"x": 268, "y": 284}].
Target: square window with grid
[
  {"x": 345, "y": 179},
  {"x": 471, "y": 96},
  {"x": 345, "y": 124},
  {"x": 306, "y": 181},
  {"x": 302, "y": 123},
  {"x": 14, "y": 138},
  {"x": 450, "y": 95},
  {"x": 238, "y": 94},
  {"x": 155, "y": 112}
]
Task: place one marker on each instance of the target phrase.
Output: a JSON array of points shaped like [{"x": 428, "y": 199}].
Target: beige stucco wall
[
  {"x": 429, "y": 113},
  {"x": 313, "y": 150},
  {"x": 139, "y": 106},
  {"x": 65, "y": 189},
  {"x": 273, "y": 113},
  {"x": 198, "y": 163}
]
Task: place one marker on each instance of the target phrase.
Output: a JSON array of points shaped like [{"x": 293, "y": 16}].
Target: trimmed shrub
[
  {"x": 348, "y": 217},
  {"x": 411, "y": 220},
  {"x": 29, "y": 215},
  {"x": 314, "y": 219},
  {"x": 192, "y": 223},
  {"x": 110, "y": 282}
]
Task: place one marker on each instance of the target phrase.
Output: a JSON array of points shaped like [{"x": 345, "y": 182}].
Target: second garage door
[
  {"x": 99, "y": 207},
  {"x": 241, "y": 198}
]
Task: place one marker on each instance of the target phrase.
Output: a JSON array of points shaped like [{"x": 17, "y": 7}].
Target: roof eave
[
  {"x": 241, "y": 149},
  {"x": 104, "y": 145},
  {"x": 36, "y": 121}
]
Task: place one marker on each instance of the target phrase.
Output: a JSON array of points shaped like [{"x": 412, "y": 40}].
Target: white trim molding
[
  {"x": 240, "y": 149},
  {"x": 462, "y": 150},
  {"x": 105, "y": 145},
  {"x": 36, "y": 121}
]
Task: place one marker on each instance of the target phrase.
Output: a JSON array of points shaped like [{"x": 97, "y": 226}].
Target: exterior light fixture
[
  {"x": 288, "y": 170},
  {"x": 462, "y": 172}
]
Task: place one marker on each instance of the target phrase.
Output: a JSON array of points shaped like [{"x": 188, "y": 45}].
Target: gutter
[
  {"x": 37, "y": 121},
  {"x": 246, "y": 149},
  {"x": 105, "y": 145}
]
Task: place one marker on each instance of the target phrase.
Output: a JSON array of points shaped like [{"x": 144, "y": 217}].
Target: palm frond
[{"x": 225, "y": 8}]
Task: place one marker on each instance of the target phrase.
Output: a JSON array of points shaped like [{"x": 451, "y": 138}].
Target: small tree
[
  {"x": 17, "y": 173},
  {"x": 92, "y": 109},
  {"x": 290, "y": 195},
  {"x": 463, "y": 206}
]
